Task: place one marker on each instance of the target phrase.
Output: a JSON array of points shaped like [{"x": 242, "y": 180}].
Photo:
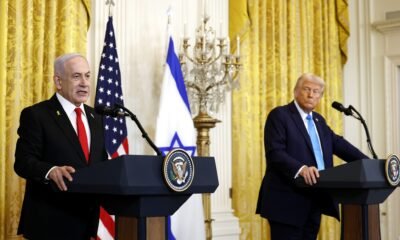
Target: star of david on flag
[
  {"x": 177, "y": 143},
  {"x": 175, "y": 129},
  {"x": 109, "y": 92}
]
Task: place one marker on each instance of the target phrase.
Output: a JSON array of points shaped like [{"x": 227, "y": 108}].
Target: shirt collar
[
  {"x": 68, "y": 106},
  {"x": 301, "y": 111}
]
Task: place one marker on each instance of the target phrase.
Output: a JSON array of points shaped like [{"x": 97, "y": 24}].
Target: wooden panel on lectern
[
  {"x": 352, "y": 222},
  {"x": 157, "y": 229},
  {"x": 127, "y": 228}
]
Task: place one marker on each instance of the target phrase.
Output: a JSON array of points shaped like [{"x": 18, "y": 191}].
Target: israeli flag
[{"x": 175, "y": 129}]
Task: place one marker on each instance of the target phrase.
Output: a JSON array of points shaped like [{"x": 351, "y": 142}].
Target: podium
[
  {"x": 133, "y": 186},
  {"x": 359, "y": 186}
]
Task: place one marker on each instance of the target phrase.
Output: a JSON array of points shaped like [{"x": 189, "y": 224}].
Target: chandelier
[{"x": 210, "y": 70}]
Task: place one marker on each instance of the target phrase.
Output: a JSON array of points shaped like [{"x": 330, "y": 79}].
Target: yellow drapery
[
  {"x": 280, "y": 40},
  {"x": 32, "y": 34}
]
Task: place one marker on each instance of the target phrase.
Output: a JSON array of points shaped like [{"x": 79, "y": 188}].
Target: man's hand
[
  {"x": 310, "y": 175},
  {"x": 57, "y": 174}
]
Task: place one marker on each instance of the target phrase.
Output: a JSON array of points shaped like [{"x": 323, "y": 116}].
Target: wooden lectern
[
  {"x": 359, "y": 186},
  {"x": 133, "y": 187}
]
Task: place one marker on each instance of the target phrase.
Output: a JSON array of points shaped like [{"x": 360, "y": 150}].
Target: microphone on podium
[
  {"x": 110, "y": 111},
  {"x": 349, "y": 112},
  {"x": 119, "y": 110},
  {"x": 338, "y": 106}
]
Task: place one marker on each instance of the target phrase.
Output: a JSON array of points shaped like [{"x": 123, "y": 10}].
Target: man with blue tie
[{"x": 299, "y": 143}]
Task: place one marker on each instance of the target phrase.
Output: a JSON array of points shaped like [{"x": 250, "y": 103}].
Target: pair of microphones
[{"x": 119, "y": 110}]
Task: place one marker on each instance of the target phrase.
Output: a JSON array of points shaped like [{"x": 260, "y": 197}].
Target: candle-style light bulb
[
  {"x": 181, "y": 45},
  {"x": 185, "y": 30},
  {"x": 220, "y": 29},
  {"x": 204, "y": 8},
  {"x": 238, "y": 46},
  {"x": 228, "y": 43}
]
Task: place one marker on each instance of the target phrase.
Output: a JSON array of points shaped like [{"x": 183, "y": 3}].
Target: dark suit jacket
[
  {"x": 47, "y": 139},
  {"x": 288, "y": 147}
]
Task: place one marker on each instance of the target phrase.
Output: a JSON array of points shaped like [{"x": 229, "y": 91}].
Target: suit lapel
[
  {"x": 94, "y": 136},
  {"x": 62, "y": 120},
  {"x": 300, "y": 125}
]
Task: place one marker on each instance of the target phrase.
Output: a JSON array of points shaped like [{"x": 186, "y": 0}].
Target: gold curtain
[
  {"x": 280, "y": 39},
  {"x": 32, "y": 34}
]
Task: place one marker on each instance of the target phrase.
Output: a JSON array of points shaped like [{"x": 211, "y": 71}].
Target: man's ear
[{"x": 57, "y": 82}]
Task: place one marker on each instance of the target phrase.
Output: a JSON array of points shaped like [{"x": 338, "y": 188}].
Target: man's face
[
  {"x": 74, "y": 85},
  {"x": 308, "y": 95}
]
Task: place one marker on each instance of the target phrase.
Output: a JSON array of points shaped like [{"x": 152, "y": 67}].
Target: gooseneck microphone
[
  {"x": 110, "y": 111},
  {"x": 120, "y": 111},
  {"x": 349, "y": 112},
  {"x": 341, "y": 108}
]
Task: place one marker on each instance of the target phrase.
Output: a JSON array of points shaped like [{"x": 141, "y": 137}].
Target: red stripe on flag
[
  {"x": 114, "y": 155},
  {"x": 126, "y": 145},
  {"x": 108, "y": 222}
]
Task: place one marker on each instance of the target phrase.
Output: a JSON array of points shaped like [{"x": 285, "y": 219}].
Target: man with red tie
[{"x": 56, "y": 137}]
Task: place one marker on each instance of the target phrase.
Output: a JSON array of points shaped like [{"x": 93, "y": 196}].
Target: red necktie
[{"x": 82, "y": 133}]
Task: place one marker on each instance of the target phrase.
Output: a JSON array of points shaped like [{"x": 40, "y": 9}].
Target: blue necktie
[{"x": 315, "y": 143}]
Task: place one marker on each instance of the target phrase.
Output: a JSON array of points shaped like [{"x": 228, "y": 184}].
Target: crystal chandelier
[{"x": 210, "y": 70}]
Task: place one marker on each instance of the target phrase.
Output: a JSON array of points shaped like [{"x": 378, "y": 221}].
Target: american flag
[{"x": 109, "y": 92}]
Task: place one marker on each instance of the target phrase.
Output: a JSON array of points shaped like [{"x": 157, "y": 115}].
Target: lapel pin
[
  {"x": 58, "y": 113},
  {"x": 91, "y": 114}
]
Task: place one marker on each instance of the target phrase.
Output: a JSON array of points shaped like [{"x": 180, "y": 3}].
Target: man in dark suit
[
  {"x": 50, "y": 150},
  {"x": 299, "y": 143}
]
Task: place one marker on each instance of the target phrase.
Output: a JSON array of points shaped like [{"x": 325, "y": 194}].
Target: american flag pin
[{"x": 58, "y": 113}]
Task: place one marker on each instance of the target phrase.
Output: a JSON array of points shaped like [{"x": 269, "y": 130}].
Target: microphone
[
  {"x": 118, "y": 110},
  {"x": 110, "y": 111},
  {"x": 349, "y": 111},
  {"x": 341, "y": 108}
]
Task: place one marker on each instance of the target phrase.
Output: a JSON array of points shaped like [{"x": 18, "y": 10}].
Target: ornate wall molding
[{"x": 387, "y": 26}]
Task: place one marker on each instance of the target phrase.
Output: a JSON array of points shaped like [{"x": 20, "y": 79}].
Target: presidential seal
[
  {"x": 392, "y": 170},
  {"x": 178, "y": 170}
]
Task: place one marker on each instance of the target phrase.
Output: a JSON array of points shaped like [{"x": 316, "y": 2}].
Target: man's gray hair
[
  {"x": 312, "y": 78},
  {"x": 59, "y": 68}
]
